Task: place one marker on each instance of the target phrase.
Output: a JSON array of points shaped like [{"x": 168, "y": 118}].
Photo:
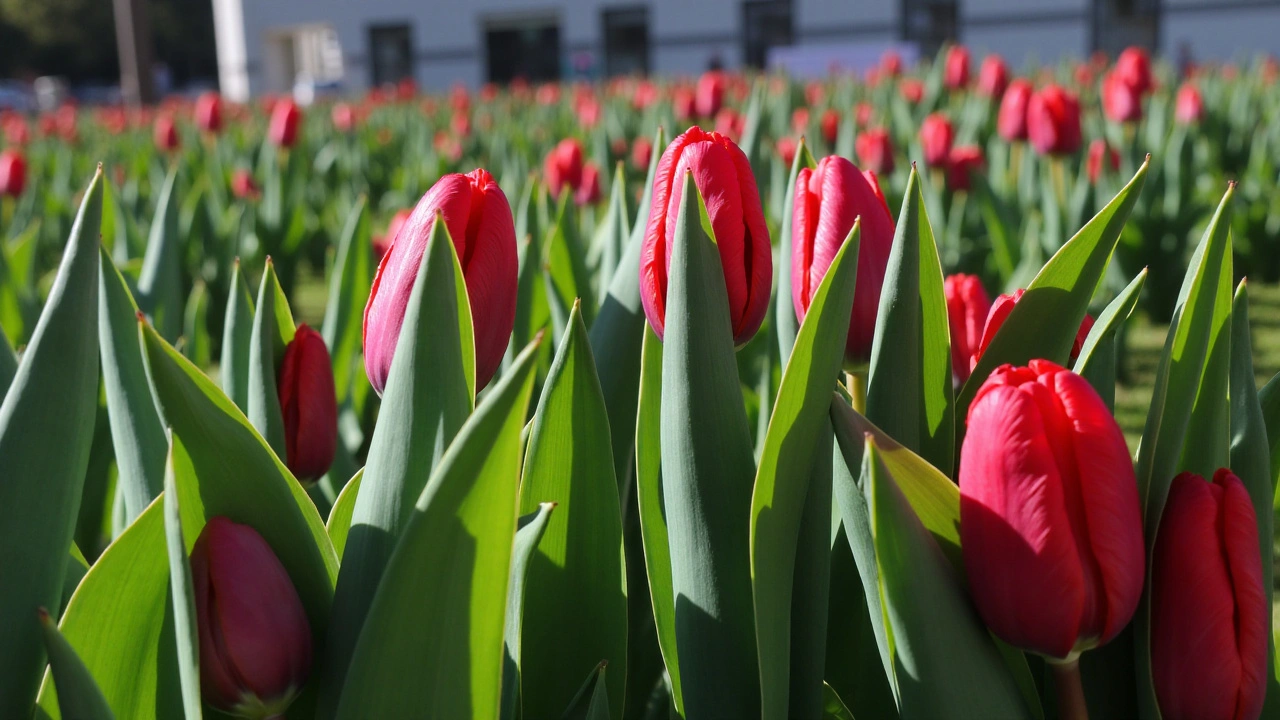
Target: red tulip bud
[
  {"x": 830, "y": 125},
  {"x": 787, "y": 148},
  {"x": 967, "y": 307},
  {"x": 993, "y": 78},
  {"x": 1134, "y": 68},
  {"x": 955, "y": 73},
  {"x": 1000, "y": 310},
  {"x": 963, "y": 161},
  {"x": 875, "y": 151},
  {"x": 13, "y": 173},
  {"x": 166, "y": 133},
  {"x": 1208, "y": 605},
  {"x": 1101, "y": 155},
  {"x": 382, "y": 242},
  {"x": 936, "y": 136},
  {"x": 309, "y": 405},
  {"x": 828, "y": 199},
  {"x": 283, "y": 129},
  {"x": 589, "y": 191},
  {"x": 1053, "y": 121},
  {"x": 1050, "y": 524},
  {"x": 1189, "y": 106},
  {"x": 255, "y": 640},
  {"x": 563, "y": 167},
  {"x": 723, "y": 177},
  {"x": 891, "y": 63},
  {"x": 641, "y": 152},
  {"x": 710, "y": 93},
  {"x": 243, "y": 186},
  {"x": 209, "y": 112},
  {"x": 1121, "y": 102},
  {"x": 478, "y": 218},
  {"x": 343, "y": 117},
  {"x": 1012, "y": 119},
  {"x": 682, "y": 104},
  {"x": 912, "y": 90}
]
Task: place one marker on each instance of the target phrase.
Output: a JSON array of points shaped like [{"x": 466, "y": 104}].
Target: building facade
[{"x": 272, "y": 46}]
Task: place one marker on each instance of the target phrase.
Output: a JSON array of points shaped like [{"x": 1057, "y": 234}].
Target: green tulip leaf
[
  {"x": 591, "y": 702},
  {"x": 349, "y": 284},
  {"x": 833, "y": 708},
  {"x": 237, "y": 336},
  {"x": 78, "y": 694},
  {"x": 273, "y": 330},
  {"x": 784, "y": 309},
  {"x": 183, "y": 603},
  {"x": 529, "y": 530},
  {"x": 339, "y": 523},
  {"x": 160, "y": 283},
  {"x": 1097, "y": 359},
  {"x": 566, "y": 274}
]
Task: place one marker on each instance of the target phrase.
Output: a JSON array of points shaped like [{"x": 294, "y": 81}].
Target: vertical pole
[{"x": 133, "y": 40}]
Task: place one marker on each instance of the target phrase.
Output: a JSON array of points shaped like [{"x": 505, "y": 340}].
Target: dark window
[
  {"x": 929, "y": 23},
  {"x": 527, "y": 48},
  {"x": 766, "y": 24},
  {"x": 1117, "y": 24},
  {"x": 390, "y": 53},
  {"x": 626, "y": 41}
]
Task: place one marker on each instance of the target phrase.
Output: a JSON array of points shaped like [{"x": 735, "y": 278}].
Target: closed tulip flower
[
  {"x": 830, "y": 125},
  {"x": 787, "y": 148},
  {"x": 723, "y": 176},
  {"x": 936, "y": 136},
  {"x": 912, "y": 90},
  {"x": 309, "y": 405},
  {"x": 967, "y": 308},
  {"x": 589, "y": 191},
  {"x": 479, "y": 221},
  {"x": 1134, "y": 68},
  {"x": 1050, "y": 524},
  {"x": 255, "y": 640},
  {"x": 1208, "y": 605},
  {"x": 1053, "y": 121},
  {"x": 382, "y": 242},
  {"x": 709, "y": 97},
  {"x": 641, "y": 152},
  {"x": 875, "y": 151},
  {"x": 1189, "y": 106},
  {"x": 563, "y": 167},
  {"x": 343, "y": 117},
  {"x": 891, "y": 63},
  {"x": 993, "y": 77},
  {"x": 13, "y": 173},
  {"x": 209, "y": 112},
  {"x": 800, "y": 120},
  {"x": 283, "y": 128},
  {"x": 1000, "y": 310},
  {"x": 165, "y": 133},
  {"x": 828, "y": 200},
  {"x": 964, "y": 160},
  {"x": 1121, "y": 102},
  {"x": 243, "y": 186},
  {"x": 682, "y": 104},
  {"x": 1101, "y": 157},
  {"x": 955, "y": 73},
  {"x": 1011, "y": 121}
]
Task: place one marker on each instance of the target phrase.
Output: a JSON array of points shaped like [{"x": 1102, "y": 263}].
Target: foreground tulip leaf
[
  {"x": 784, "y": 319},
  {"x": 706, "y": 478},
  {"x": 591, "y": 702},
  {"x": 798, "y": 428},
  {"x": 160, "y": 281},
  {"x": 273, "y": 329},
  {"x": 46, "y": 427},
  {"x": 612, "y": 232},
  {"x": 338, "y": 525},
  {"x": 1097, "y": 359},
  {"x": 78, "y": 694},
  {"x": 237, "y": 336},
  {"x": 575, "y": 594},
  {"x": 77, "y": 567},
  {"x": 833, "y": 708},
  {"x": 349, "y": 285},
  {"x": 441, "y": 605},
  {"x": 136, "y": 434},
  {"x": 529, "y": 530},
  {"x": 652, "y": 508},
  {"x": 182, "y": 599},
  {"x": 1060, "y": 291},
  {"x": 1200, "y": 309},
  {"x": 945, "y": 664},
  {"x": 132, "y": 658},
  {"x": 909, "y": 385},
  {"x": 566, "y": 275},
  {"x": 429, "y": 393}
]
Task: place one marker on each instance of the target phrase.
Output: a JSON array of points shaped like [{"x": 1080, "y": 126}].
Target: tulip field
[{"x": 924, "y": 392}]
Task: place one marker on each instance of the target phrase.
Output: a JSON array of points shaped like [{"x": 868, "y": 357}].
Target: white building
[{"x": 269, "y": 45}]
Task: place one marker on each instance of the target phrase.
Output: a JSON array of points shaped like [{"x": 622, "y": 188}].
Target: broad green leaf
[
  {"x": 349, "y": 286},
  {"x": 792, "y": 453},
  {"x": 613, "y": 230},
  {"x": 1044, "y": 322},
  {"x": 429, "y": 393},
  {"x": 1097, "y": 358},
  {"x": 529, "y": 530},
  {"x": 160, "y": 283},
  {"x": 46, "y": 427},
  {"x": 136, "y": 433},
  {"x": 1178, "y": 378},
  {"x": 591, "y": 702},
  {"x": 909, "y": 384},
  {"x": 706, "y": 479},
  {"x": 273, "y": 330},
  {"x": 575, "y": 594},
  {"x": 1210, "y": 422},
  {"x": 183, "y": 599},
  {"x": 237, "y": 336},
  {"x": 652, "y": 508},
  {"x": 568, "y": 277},
  {"x": 532, "y": 313},
  {"x": 441, "y": 606},
  {"x": 945, "y": 663},
  {"x": 77, "y": 567},
  {"x": 195, "y": 324},
  {"x": 339, "y": 523},
  {"x": 833, "y": 708},
  {"x": 784, "y": 310},
  {"x": 19, "y": 305},
  {"x": 78, "y": 694}
]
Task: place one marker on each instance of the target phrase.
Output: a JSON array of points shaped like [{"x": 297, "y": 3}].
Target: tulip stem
[
  {"x": 1069, "y": 690},
  {"x": 857, "y": 384}
]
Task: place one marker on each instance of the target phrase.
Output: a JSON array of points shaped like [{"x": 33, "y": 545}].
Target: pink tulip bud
[
  {"x": 967, "y": 307},
  {"x": 936, "y": 136},
  {"x": 13, "y": 173},
  {"x": 1053, "y": 121},
  {"x": 209, "y": 112},
  {"x": 563, "y": 167},
  {"x": 1011, "y": 122},
  {"x": 283, "y": 128}
]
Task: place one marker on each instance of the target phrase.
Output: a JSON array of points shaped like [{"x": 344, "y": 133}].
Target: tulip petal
[{"x": 1239, "y": 528}]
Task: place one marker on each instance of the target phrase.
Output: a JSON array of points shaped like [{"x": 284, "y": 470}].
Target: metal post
[{"x": 133, "y": 39}]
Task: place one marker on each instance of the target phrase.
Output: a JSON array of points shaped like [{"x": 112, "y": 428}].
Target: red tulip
[
  {"x": 243, "y": 186},
  {"x": 787, "y": 148},
  {"x": 682, "y": 104},
  {"x": 723, "y": 176},
  {"x": 1053, "y": 121},
  {"x": 382, "y": 242},
  {"x": 1121, "y": 102},
  {"x": 862, "y": 113},
  {"x": 343, "y": 117},
  {"x": 1208, "y": 606},
  {"x": 993, "y": 77},
  {"x": 710, "y": 93},
  {"x": 1050, "y": 524},
  {"x": 828, "y": 199},
  {"x": 165, "y": 133},
  {"x": 1012, "y": 119},
  {"x": 1189, "y": 106},
  {"x": 13, "y": 173},
  {"x": 1134, "y": 67},
  {"x": 479, "y": 221},
  {"x": 955, "y": 74},
  {"x": 936, "y": 136},
  {"x": 891, "y": 63},
  {"x": 800, "y": 120},
  {"x": 255, "y": 640},
  {"x": 1099, "y": 154},
  {"x": 967, "y": 308},
  {"x": 209, "y": 112},
  {"x": 283, "y": 129},
  {"x": 875, "y": 151},
  {"x": 963, "y": 160},
  {"x": 309, "y": 405},
  {"x": 563, "y": 167},
  {"x": 641, "y": 152},
  {"x": 730, "y": 123},
  {"x": 589, "y": 191},
  {"x": 1000, "y": 310},
  {"x": 16, "y": 130},
  {"x": 830, "y": 125},
  {"x": 912, "y": 90}
]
